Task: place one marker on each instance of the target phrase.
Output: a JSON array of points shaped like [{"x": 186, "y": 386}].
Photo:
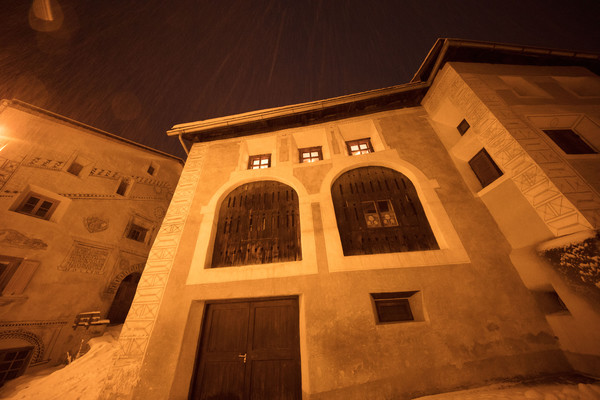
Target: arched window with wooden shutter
[
  {"x": 378, "y": 211},
  {"x": 259, "y": 223}
]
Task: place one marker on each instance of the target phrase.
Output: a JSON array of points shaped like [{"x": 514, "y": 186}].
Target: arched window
[
  {"x": 378, "y": 211},
  {"x": 258, "y": 224}
]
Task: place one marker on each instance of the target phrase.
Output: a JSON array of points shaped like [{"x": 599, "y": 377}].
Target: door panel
[{"x": 266, "y": 332}]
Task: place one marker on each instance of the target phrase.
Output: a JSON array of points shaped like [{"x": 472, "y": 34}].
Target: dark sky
[{"x": 136, "y": 68}]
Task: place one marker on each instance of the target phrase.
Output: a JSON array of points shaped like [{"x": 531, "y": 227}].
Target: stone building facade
[
  {"x": 79, "y": 211},
  {"x": 377, "y": 245}
]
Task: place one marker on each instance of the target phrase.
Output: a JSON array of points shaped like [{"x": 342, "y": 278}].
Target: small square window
[
  {"x": 151, "y": 170},
  {"x": 137, "y": 233},
  {"x": 360, "y": 146},
  {"x": 569, "y": 141},
  {"x": 37, "y": 206},
  {"x": 310, "y": 154},
  {"x": 75, "y": 168},
  {"x": 123, "y": 187},
  {"x": 463, "y": 127},
  {"x": 260, "y": 161},
  {"x": 485, "y": 168},
  {"x": 393, "y": 307}
]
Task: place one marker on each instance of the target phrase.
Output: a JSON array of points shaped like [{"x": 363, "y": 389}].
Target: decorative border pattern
[
  {"x": 35, "y": 340},
  {"x": 141, "y": 319},
  {"x": 562, "y": 199}
]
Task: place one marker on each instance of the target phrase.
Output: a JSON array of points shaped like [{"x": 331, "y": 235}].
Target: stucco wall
[{"x": 480, "y": 323}]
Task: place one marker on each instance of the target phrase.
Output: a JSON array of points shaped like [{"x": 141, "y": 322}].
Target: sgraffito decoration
[
  {"x": 86, "y": 257},
  {"x": 95, "y": 224},
  {"x": 35, "y": 340},
  {"x": 141, "y": 319},
  {"x": 11, "y": 237}
]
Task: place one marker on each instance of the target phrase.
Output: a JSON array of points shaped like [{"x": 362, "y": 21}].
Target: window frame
[
  {"x": 259, "y": 158},
  {"x": 12, "y": 264},
  {"x": 406, "y": 299},
  {"x": 581, "y": 141},
  {"x": 310, "y": 158},
  {"x": 483, "y": 152},
  {"x": 41, "y": 200},
  {"x": 461, "y": 127},
  {"x": 141, "y": 233},
  {"x": 358, "y": 142}
]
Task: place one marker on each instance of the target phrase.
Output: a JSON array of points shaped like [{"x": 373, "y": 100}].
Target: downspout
[{"x": 187, "y": 152}]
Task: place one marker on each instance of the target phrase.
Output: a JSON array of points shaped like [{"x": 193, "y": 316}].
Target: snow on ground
[
  {"x": 83, "y": 379},
  {"x": 519, "y": 391}
]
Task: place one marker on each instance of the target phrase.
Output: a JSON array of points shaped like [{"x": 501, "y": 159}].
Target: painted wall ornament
[
  {"x": 95, "y": 224},
  {"x": 11, "y": 237}
]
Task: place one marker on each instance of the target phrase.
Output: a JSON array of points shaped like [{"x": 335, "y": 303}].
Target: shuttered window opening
[
  {"x": 463, "y": 127},
  {"x": 569, "y": 141},
  {"x": 378, "y": 211},
  {"x": 393, "y": 307},
  {"x": 485, "y": 168},
  {"x": 259, "y": 223}
]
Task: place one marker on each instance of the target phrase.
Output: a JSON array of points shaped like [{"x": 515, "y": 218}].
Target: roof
[
  {"x": 394, "y": 97},
  {"x": 26, "y": 107}
]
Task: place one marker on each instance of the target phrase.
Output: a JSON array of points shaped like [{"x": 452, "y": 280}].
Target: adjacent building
[
  {"x": 79, "y": 211},
  {"x": 384, "y": 244}
]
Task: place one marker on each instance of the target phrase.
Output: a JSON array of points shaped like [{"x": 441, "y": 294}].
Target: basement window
[
  {"x": 485, "y": 168},
  {"x": 360, "y": 146},
  {"x": 396, "y": 307},
  {"x": 463, "y": 127},
  {"x": 260, "y": 161},
  {"x": 569, "y": 141},
  {"x": 310, "y": 154}
]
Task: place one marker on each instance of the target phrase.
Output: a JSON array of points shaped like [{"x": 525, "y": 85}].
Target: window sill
[{"x": 251, "y": 272}]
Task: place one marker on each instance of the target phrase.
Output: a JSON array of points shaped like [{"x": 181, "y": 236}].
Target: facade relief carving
[
  {"x": 35, "y": 340},
  {"x": 86, "y": 257},
  {"x": 7, "y": 168},
  {"x": 95, "y": 224},
  {"x": 47, "y": 163},
  {"x": 14, "y": 238}
]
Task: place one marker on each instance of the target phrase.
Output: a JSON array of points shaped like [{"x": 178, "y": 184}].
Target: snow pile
[
  {"x": 83, "y": 379},
  {"x": 580, "y": 391}
]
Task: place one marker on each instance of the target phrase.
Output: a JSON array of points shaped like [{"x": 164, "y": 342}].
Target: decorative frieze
[{"x": 141, "y": 319}]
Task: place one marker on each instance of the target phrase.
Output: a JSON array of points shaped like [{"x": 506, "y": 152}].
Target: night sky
[{"x": 136, "y": 68}]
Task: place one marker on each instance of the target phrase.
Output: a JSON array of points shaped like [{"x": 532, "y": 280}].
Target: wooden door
[{"x": 249, "y": 350}]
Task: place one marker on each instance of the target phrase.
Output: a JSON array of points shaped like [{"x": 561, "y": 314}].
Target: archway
[{"x": 123, "y": 299}]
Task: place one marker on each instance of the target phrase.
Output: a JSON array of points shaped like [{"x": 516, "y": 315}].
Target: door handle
[{"x": 243, "y": 356}]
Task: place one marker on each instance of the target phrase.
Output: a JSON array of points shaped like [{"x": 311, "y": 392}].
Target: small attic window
[
  {"x": 463, "y": 127},
  {"x": 152, "y": 168},
  {"x": 75, "y": 168}
]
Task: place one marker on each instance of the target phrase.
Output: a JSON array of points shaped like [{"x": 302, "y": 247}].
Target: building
[
  {"x": 79, "y": 210},
  {"x": 378, "y": 245}
]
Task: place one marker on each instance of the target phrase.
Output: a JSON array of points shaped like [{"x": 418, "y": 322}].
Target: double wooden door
[{"x": 249, "y": 350}]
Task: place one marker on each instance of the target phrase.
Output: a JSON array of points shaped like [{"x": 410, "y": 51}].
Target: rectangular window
[
  {"x": 37, "y": 206},
  {"x": 360, "y": 146},
  {"x": 75, "y": 168},
  {"x": 310, "y": 154},
  {"x": 137, "y": 233},
  {"x": 8, "y": 266},
  {"x": 485, "y": 168},
  {"x": 393, "y": 307},
  {"x": 569, "y": 141},
  {"x": 123, "y": 186},
  {"x": 13, "y": 362},
  {"x": 260, "y": 161},
  {"x": 463, "y": 127},
  {"x": 379, "y": 214},
  {"x": 151, "y": 170}
]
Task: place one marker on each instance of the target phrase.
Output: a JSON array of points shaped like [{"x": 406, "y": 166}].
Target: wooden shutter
[
  {"x": 485, "y": 168},
  {"x": 353, "y": 195},
  {"x": 259, "y": 223}
]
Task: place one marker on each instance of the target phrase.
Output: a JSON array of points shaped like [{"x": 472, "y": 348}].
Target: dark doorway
[
  {"x": 249, "y": 350},
  {"x": 122, "y": 302}
]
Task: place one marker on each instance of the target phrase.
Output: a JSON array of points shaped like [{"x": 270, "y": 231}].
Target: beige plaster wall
[
  {"x": 80, "y": 264},
  {"x": 544, "y": 192},
  {"x": 480, "y": 322}
]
